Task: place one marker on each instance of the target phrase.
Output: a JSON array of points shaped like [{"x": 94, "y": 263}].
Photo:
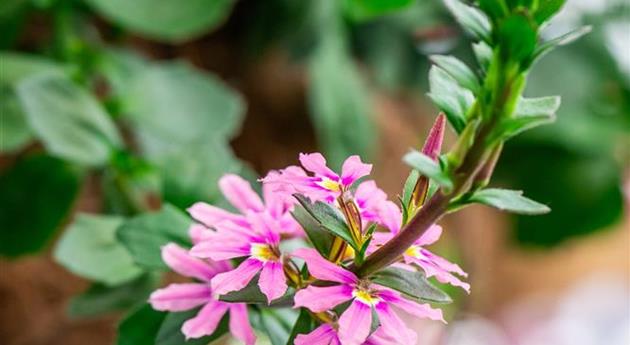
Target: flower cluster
[{"x": 234, "y": 250}]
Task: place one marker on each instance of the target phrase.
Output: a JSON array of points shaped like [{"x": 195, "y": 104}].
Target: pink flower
[
  {"x": 323, "y": 184},
  {"x": 433, "y": 265},
  {"x": 327, "y": 335},
  {"x": 257, "y": 240},
  {"x": 241, "y": 195},
  {"x": 181, "y": 297},
  {"x": 355, "y": 322}
]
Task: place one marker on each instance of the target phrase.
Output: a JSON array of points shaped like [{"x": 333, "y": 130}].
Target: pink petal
[
  {"x": 198, "y": 233},
  {"x": 392, "y": 326},
  {"x": 318, "y": 299},
  {"x": 239, "y": 324},
  {"x": 210, "y": 215},
  {"x": 413, "y": 308},
  {"x": 206, "y": 321},
  {"x": 355, "y": 323},
  {"x": 216, "y": 249},
  {"x": 276, "y": 202},
  {"x": 180, "y": 297},
  {"x": 237, "y": 278},
  {"x": 265, "y": 226},
  {"x": 353, "y": 169},
  {"x": 323, "y": 269},
  {"x": 240, "y": 193},
  {"x": 183, "y": 263},
  {"x": 379, "y": 337},
  {"x": 272, "y": 281},
  {"x": 316, "y": 163},
  {"x": 322, "y": 335},
  {"x": 444, "y": 264},
  {"x": 390, "y": 216},
  {"x": 430, "y": 236}
]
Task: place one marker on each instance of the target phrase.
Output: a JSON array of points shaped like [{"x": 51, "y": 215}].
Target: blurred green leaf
[
  {"x": 170, "y": 332},
  {"x": 483, "y": 54},
  {"x": 89, "y": 249},
  {"x": 530, "y": 113},
  {"x": 471, "y": 19},
  {"x": 328, "y": 218},
  {"x": 180, "y": 105},
  {"x": 37, "y": 194},
  {"x": 14, "y": 131},
  {"x": 277, "y": 323},
  {"x": 449, "y": 97},
  {"x": 320, "y": 238},
  {"x": 493, "y": 8},
  {"x": 16, "y": 66},
  {"x": 546, "y": 9},
  {"x": 251, "y": 294},
  {"x": 140, "y": 326},
  {"x": 509, "y": 200},
  {"x": 9, "y": 7},
  {"x": 144, "y": 235},
  {"x": 427, "y": 167},
  {"x": 565, "y": 39},
  {"x": 69, "y": 120},
  {"x": 165, "y": 20},
  {"x": 100, "y": 299},
  {"x": 411, "y": 283},
  {"x": 458, "y": 71},
  {"x": 366, "y": 9},
  {"x": 339, "y": 102}
]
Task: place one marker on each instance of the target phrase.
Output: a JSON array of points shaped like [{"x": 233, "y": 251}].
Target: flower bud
[{"x": 432, "y": 148}]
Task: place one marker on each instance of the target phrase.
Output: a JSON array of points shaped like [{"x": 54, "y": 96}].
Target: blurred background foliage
[{"x": 139, "y": 103}]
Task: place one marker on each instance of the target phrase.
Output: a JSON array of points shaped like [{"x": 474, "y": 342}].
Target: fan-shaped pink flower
[
  {"x": 186, "y": 296},
  {"x": 433, "y": 265},
  {"x": 355, "y": 322},
  {"x": 325, "y": 334},
  {"x": 323, "y": 184}
]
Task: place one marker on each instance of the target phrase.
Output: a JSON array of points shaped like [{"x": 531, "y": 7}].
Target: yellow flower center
[
  {"x": 413, "y": 251},
  {"x": 329, "y": 184},
  {"x": 263, "y": 252},
  {"x": 365, "y": 297}
]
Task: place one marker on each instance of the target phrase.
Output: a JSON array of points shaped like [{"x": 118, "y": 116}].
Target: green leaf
[
  {"x": 170, "y": 332},
  {"x": 530, "y": 113},
  {"x": 100, "y": 299},
  {"x": 518, "y": 38},
  {"x": 303, "y": 325},
  {"x": 145, "y": 234},
  {"x": 458, "y": 70},
  {"x": 320, "y": 238},
  {"x": 410, "y": 184},
  {"x": 68, "y": 119},
  {"x": 251, "y": 294},
  {"x": 140, "y": 326},
  {"x": 14, "y": 131},
  {"x": 449, "y": 97},
  {"x": 339, "y": 103},
  {"x": 165, "y": 20},
  {"x": 366, "y": 9},
  {"x": 181, "y": 105},
  {"x": 565, "y": 39},
  {"x": 471, "y": 19},
  {"x": 28, "y": 220},
  {"x": 412, "y": 284},
  {"x": 328, "y": 217},
  {"x": 483, "y": 54},
  {"x": 509, "y": 200},
  {"x": 277, "y": 324},
  {"x": 546, "y": 9},
  {"x": 17, "y": 66},
  {"x": 493, "y": 8},
  {"x": 89, "y": 249},
  {"x": 427, "y": 167}
]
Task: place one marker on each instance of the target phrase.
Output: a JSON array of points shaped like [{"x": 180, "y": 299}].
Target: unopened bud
[{"x": 432, "y": 148}]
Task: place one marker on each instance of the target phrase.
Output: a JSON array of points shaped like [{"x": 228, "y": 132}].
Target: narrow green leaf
[
  {"x": 530, "y": 113},
  {"x": 165, "y": 20},
  {"x": 509, "y": 200},
  {"x": 449, "y": 97},
  {"x": 328, "y": 217},
  {"x": 320, "y": 238},
  {"x": 458, "y": 70},
  {"x": 145, "y": 234},
  {"x": 140, "y": 326},
  {"x": 28, "y": 220},
  {"x": 100, "y": 299},
  {"x": 89, "y": 249},
  {"x": 565, "y": 39},
  {"x": 410, "y": 184},
  {"x": 412, "y": 284},
  {"x": 68, "y": 119},
  {"x": 170, "y": 331},
  {"x": 546, "y": 9},
  {"x": 251, "y": 294},
  {"x": 427, "y": 167},
  {"x": 471, "y": 19},
  {"x": 303, "y": 325}
]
